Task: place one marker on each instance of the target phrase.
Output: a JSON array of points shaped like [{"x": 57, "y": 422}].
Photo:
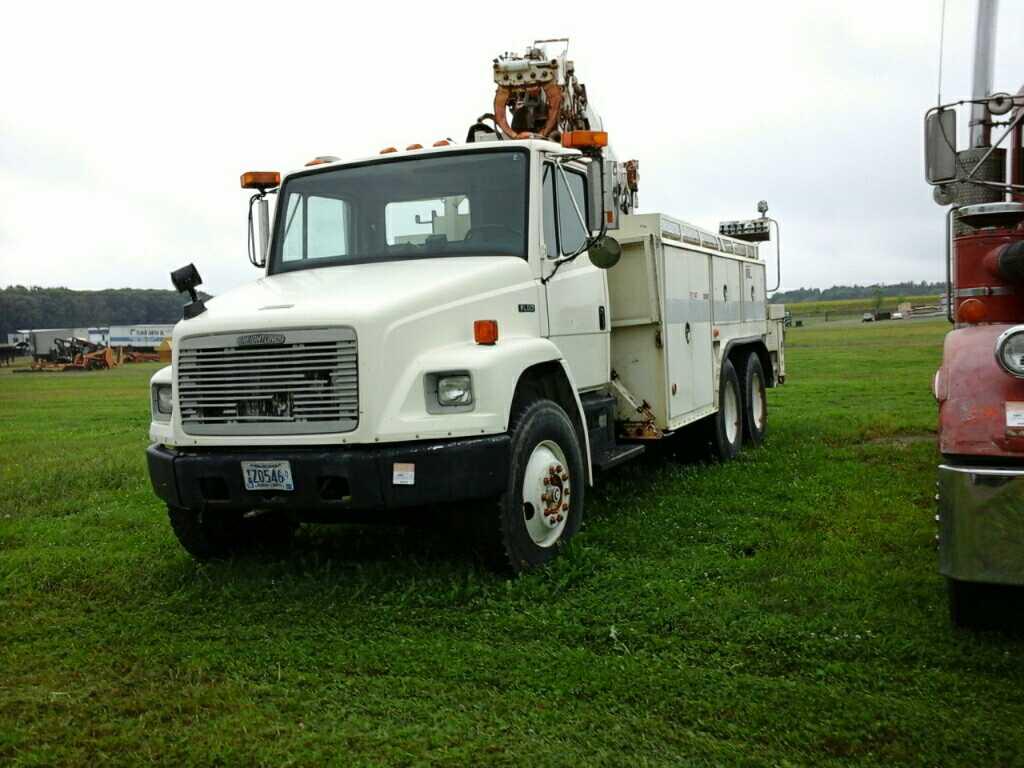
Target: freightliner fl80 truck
[{"x": 453, "y": 325}]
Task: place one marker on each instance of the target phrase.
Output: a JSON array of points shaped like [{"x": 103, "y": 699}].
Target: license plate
[{"x": 267, "y": 476}]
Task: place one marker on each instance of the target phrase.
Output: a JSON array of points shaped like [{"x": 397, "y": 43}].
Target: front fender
[
  {"x": 495, "y": 370},
  {"x": 973, "y": 391}
]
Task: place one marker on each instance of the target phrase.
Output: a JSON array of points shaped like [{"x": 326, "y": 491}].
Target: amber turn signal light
[
  {"x": 485, "y": 331},
  {"x": 584, "y": 139},
  {"x": 972, "y": 311},
  {"x": 261, "y": 180}
]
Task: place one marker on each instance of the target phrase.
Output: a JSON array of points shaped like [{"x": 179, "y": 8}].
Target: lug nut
[
  {"x": 559, "y": 519},
  {"x": 565, "y": 507}
]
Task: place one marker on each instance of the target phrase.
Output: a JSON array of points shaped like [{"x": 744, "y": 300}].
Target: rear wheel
[
  {"x": 755, "y": 404},
  {"x": 727, "y": 424},
  {"x": 542, "y": 507}
]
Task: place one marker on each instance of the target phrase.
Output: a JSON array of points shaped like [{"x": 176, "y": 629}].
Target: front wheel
[
  {"x": 214, "y": 536},
  {"x": 542, "y": 507}
]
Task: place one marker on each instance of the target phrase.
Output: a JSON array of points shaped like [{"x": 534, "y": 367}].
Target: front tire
[
  {"x": 216, "y": 536},
  {"x": 727, "y": 424},
  {"x": 542, "y": 507}
]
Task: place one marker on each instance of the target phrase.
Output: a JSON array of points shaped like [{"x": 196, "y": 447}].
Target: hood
[{"x": 348, "y": 294}]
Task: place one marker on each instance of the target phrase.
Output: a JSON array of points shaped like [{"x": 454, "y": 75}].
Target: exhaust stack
[{"x": 984, "y": 69}]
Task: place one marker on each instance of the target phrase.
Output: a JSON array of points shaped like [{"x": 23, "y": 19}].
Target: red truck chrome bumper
[{"x": 981, "y": 524}]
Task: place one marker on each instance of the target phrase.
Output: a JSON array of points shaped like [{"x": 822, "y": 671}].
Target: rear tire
[
  {"x": 755, "y": 404},
  {"x": 542, "y": 508},
  {"x": 215, "y": 536},
  {"x": 727, "y": 424}
]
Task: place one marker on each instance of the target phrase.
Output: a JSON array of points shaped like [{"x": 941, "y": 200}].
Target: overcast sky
[{"x": 123, "y": 130}]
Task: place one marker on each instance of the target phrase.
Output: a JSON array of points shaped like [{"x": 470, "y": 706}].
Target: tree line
[
  {"x": 907, "y": 289},
  {"x": 22, "y": 308}
]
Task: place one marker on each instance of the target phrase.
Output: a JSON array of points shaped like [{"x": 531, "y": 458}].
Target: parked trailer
[{"x": 44, "y": 341}]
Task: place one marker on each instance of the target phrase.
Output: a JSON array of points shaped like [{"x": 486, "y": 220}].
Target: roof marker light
[
  {"x": 322, "y": 159},
  {"x": 388, "y": 150}
]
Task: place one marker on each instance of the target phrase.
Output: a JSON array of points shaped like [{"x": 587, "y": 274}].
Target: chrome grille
[{"x": 307, "y": 383}]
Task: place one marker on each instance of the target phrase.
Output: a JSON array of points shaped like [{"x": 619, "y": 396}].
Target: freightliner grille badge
[{"x": 260, "y": 339}]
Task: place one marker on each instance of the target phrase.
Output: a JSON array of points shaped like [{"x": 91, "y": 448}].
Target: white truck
[{"x": 453, "y": 325}]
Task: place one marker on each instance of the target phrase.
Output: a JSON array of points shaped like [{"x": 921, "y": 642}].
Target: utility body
[{"x": 453, "y": 326}]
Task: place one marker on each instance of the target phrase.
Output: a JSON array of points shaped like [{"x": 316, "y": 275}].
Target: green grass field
[{"x": 783, "y": 609}]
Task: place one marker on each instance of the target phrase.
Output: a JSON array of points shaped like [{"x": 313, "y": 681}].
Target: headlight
[
  {"x": 1010, "y": 350},
  {"x": 455, "y": 390},
  {"x": 162, "y": 402}
]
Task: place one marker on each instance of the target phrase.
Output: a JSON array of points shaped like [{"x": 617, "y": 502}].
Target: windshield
[{"x": 471, "y": 204}]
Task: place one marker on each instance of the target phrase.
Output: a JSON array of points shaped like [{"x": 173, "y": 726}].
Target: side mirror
[
  {"x": 940, "y": 146},
  {"x": 605, "y": 253}
]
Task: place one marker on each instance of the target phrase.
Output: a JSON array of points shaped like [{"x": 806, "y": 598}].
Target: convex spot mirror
[{"x": 605, "y": 253}]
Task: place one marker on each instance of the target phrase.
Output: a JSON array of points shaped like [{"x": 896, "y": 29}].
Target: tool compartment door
[
  {"x": 726, "y": 291},
  {"x": 754, "y": 309},
  {"x": 687, "y": 331},
  {"x": 703, "y": 355}
]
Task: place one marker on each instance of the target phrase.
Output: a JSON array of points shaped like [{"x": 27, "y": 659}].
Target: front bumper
[
  {"x": 329, "y": 481},
  {"x": 981, "y": 524}
]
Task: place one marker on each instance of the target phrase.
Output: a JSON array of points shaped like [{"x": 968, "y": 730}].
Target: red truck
[{"x": 980, "y": 384}]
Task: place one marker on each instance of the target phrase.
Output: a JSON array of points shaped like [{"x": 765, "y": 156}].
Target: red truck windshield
[{"x": 469, "y": 204}]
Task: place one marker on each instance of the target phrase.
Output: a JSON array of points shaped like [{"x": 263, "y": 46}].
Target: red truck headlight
[{"x": 1010, "y": 351}]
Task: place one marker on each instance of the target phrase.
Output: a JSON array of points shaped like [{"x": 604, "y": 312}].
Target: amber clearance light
[
  {"x": 261, "y": 180},
  {"x": 972, "y": 311},
  {"x": 485, "y": 331}
]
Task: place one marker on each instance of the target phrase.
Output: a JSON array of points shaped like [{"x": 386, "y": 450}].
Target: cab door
[{"x": 577, "y": 295}]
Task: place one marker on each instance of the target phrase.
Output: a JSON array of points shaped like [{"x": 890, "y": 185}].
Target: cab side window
[
  {"x": 564, "y": 233},
  {"x": 571, "y": 198}
]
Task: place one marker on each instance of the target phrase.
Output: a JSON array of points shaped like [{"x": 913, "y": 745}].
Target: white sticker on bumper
[{"x": 403, "y": 474}]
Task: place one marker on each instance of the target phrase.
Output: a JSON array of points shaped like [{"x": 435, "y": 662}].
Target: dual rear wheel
[{"x": 742, "y": 406}]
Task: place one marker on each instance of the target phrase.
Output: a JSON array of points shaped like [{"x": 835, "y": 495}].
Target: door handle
[
  {"x": 600, "y": 318},
  {"x": 687, "y": 332}
]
